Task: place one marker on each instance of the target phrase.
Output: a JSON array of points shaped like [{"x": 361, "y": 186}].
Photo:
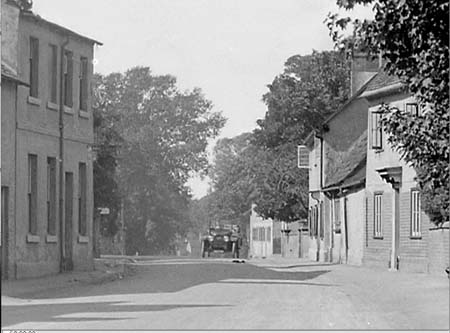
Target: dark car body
[{"x": 221, "y": 239}]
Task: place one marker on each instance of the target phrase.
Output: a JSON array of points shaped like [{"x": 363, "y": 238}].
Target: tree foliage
[
  {"x": 232, "y": 174},
  {"x": 107, "y": 144},
  {"x": 413, "y": 38},
  {"x": 165, "y": 133},
  {"x": 299, "y": 100}
]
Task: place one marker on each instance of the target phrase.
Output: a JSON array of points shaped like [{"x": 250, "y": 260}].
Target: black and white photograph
[{"x": 224, "y": 165}]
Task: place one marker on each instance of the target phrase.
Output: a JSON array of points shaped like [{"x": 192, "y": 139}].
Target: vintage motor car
[{"x": 221, "y": 240}]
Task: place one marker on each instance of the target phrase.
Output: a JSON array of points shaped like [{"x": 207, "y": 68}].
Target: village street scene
[{"x": 224, "y": 165}]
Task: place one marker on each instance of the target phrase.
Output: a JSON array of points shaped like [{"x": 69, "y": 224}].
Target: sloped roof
[
  {"x": 356, "y": 176},
  {"x": 60, "y": 28},
  {"x": 350, "y": 168},
  {"x": 382, "y": 80}
]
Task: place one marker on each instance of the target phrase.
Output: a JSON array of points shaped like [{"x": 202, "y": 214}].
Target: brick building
[
  {"x": 397, "y": 230},
  {"x": 364, "y": 202},
  {"x": 51, "y": 207}
]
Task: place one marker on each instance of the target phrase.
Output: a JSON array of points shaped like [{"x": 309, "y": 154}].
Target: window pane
[
  {"x": 34, "y": 66},
  {"x": 32, "y": 194},
  {"x": 53, "y": 73}
]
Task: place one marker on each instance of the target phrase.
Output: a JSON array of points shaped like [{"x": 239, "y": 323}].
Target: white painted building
[{"x": 261, "y": 236}]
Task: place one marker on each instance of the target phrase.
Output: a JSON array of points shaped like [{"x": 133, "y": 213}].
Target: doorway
[
  {"x": 68, "y": 222},
  {"x": 395, "y": 260},
  {"x": 4, "y": 232}
]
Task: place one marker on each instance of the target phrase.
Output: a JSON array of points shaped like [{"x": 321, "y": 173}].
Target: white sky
[{"x": 231, "y": 49}]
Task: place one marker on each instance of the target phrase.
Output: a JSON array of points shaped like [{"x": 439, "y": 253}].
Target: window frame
[
  {"x": 51, "y": 195},
  {"x": 337, "y": 215},
  {"x": 378, "y": 216},
  {"x": 376, "y": 130},
  {"x": 415, "y": 219},
  {"x": 34, "y": 67},
  {"x": 68, "y": 79},
  {"x": 84, "y": 84},
  {"x": 53, "y": 74},
  {"x": 413, "y": 109},
  {"x": 82, "y": 199},
  {"x": 32, "y": 194}
]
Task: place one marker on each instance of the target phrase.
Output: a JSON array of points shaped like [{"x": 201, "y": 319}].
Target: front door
[
  {"x": 395, "y": 262},
  {"x": 4, "y": 232},
  {"x": 68, "y": 222}
]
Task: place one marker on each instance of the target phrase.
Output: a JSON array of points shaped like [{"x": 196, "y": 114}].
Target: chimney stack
[{"x": 363, "y": 69}]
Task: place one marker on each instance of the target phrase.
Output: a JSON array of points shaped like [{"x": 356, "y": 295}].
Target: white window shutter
[{"x": 302, "y": 157}]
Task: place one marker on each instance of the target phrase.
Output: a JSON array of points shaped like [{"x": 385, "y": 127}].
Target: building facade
[
  {"x": 364, "y": 205},
  {"x": 397, "y": 230},
  {"x": 51, "y": 209},
  {"x": 337, "y": 166}
]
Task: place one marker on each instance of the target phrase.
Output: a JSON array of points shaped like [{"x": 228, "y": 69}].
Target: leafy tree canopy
[
  {"x": 165, "y": 133},
  {"x": 310, "y": 89},
  {"x": 413, "y": 39}
]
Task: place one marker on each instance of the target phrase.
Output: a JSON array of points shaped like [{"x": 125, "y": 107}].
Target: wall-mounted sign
[{"x": 104, "y": 211}]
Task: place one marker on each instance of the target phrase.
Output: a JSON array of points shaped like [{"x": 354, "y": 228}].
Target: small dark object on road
[
  {"x": 239, "y": 261},
  {"x": 447, "y": 270}
]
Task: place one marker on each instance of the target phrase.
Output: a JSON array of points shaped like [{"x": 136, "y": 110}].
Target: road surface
[{"x": 216, "y": 293}]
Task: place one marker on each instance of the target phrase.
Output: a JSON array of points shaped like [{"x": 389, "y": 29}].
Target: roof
[
  {"x": 55, "y": 26},
  {"x": 381, "y": 80},
  {"x": 350, "y": 168},
  {"x": 383, "y": 85},
  {"x": 9, "y": 74}
]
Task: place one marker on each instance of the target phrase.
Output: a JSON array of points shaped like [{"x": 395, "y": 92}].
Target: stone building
[{"x": 51, "y": 207}]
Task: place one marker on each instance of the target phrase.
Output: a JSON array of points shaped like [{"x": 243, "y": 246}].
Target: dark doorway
[
  {"x": 4, "y": 232},
  {"x": 396, "y": 247},
  {"x": 68, "y": 222}
]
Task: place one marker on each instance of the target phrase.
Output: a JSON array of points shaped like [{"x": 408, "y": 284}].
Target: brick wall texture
[{"x": 427, "y": 253}]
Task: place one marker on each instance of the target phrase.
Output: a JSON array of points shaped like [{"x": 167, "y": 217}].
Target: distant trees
[
  {"x": 163, "y": 134},
  {"x": 310, "y": 89},
  {"x": 260, "y": 167},
  {"x": 413, "y": 39}
]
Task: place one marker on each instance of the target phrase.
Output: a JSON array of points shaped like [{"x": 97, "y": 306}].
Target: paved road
[{"x": 219, "y": 294}]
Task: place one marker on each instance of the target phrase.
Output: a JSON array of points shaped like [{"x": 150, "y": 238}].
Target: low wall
[{"x": 438, "y": 250}]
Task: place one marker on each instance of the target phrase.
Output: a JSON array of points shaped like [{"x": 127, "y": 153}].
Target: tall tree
[
  {"x": 232, "y": 177},
  {"x": 413, "y": 39},
  {"x": 165, "y": 134},
  {"x": 310, "y": 88},
  {"x": 107, "y": 145}
]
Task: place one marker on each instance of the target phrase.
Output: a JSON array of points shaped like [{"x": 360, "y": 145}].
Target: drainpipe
[
  {"x": 321, "y": 162},
  {"x": 318, "y": 216},
  {"x": 346, "y": 230},
  {"x": 16, "y": 167},
  {"x": 61, "y": 159}
]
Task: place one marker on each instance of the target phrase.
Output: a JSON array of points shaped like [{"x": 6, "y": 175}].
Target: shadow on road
[
  {"x": 166, "y": 278},
  {"x": 16, "y": 314},
  {"x": 299, "y": 266}
]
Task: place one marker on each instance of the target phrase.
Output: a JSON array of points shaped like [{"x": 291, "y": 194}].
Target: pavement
[
  {"x": 105, "y": 270},
  {"x": 219, "y": 294}
]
